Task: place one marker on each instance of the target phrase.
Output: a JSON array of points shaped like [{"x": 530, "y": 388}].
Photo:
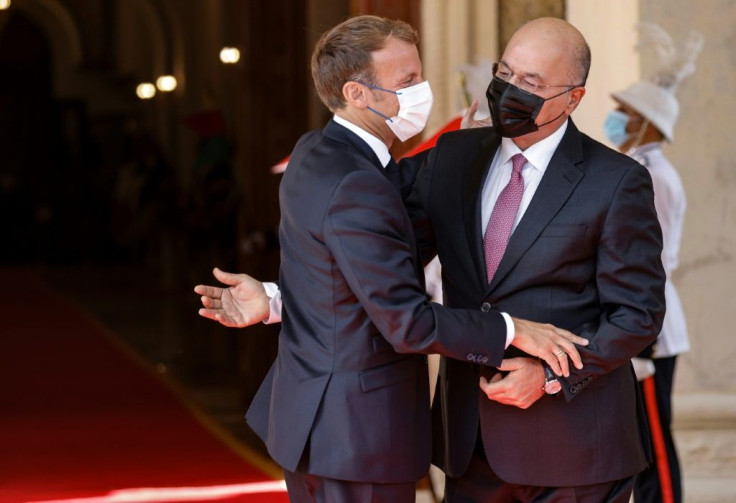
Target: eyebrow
[
  {"x": 407, "y": 78},
  {"x": 530, "y": 74}
]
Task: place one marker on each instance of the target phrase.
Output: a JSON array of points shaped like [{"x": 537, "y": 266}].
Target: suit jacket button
[{"x": 485, "y": 307}]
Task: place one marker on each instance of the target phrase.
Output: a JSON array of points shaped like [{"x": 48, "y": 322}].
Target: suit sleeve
[
  {"x": 630, "y": 281},
  {"x": 409, "y": 167},
  {"x": 369, "y": 234}
]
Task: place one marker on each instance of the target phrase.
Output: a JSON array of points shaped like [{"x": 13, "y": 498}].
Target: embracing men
[{"x": 530, "y": 218}]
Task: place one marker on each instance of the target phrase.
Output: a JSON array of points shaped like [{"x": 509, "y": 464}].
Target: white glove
[{"x": 643, "y": 368}]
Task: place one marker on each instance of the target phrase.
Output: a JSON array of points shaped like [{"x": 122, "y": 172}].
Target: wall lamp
[
  {"x": 145, "y": 90},
  {"x": 229, "y": 55},
  {"x": 166, "y": 83}
]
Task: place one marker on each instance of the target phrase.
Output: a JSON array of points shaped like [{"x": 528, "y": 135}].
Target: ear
[
  {"x": 354, "y": 94},
  {"x": 576, "y": 95}
]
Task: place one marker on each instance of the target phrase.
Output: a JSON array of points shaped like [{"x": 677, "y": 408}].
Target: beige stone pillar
[
  {"x": 455, "y": 33},
  {"x": 615, "y": 62},
  {"x": 705, "y": 155}
]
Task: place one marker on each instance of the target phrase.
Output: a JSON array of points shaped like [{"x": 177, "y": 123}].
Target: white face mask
[{"x": 415, "y": 104}]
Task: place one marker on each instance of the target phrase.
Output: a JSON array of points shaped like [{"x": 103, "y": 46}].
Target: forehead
[
  {"x": 397, "y": 61},
  {"x": 538, "y": 57}
]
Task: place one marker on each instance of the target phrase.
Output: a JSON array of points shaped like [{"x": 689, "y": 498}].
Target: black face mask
[{"x": 514, "y": 111}]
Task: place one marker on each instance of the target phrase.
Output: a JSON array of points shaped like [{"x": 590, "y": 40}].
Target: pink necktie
[{"x": 503, "y": 216}]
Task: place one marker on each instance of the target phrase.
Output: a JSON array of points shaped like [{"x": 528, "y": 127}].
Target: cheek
[
  {"x": 554, "y": 108},
  {"x": 633, "y": 126}
]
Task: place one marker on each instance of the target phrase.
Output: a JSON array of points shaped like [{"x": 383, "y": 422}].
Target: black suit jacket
[
  {"x": 346, "y": 395},
  {"x": 585, "y": 257}
]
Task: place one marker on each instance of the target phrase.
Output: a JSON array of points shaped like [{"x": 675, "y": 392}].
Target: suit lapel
[
  {"x": 472, "y": 190},
  {"x": 557, "y": 184},
  {"x": 343, "y": 135}
]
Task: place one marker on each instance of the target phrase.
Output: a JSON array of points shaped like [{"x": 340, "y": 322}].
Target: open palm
[{"x": 242, "y": 303}]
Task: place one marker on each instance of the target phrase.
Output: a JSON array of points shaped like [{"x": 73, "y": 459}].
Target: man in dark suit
[
  {"x": 345, "y": 406},
  {"x": 583, "y": 253}
]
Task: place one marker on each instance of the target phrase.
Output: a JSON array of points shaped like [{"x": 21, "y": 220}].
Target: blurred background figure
[
  {"x": 214, "y": 194},
  {"x": 644, "y": 118}
]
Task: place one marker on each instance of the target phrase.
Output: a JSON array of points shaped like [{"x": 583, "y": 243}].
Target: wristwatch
[{"x": 552, "y": 385}]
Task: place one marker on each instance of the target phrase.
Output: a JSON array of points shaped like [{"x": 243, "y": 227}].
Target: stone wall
[{"x": 705, "y": 154}]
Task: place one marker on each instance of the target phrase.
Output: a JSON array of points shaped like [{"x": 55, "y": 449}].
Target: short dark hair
[
  {"x": 343, "y": 54},
  {"x": 581, "y": 64}
]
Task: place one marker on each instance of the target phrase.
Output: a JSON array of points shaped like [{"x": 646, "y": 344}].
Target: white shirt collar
[
  {"x": 539, "y": 154},
  {"x": 375, "y": 143},
  {"x": 646, "y": 148}
]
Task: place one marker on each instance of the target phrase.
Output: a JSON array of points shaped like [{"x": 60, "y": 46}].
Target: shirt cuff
[
  {"x": 510, "y": 330},
  {"x": 273, "y": 292}
]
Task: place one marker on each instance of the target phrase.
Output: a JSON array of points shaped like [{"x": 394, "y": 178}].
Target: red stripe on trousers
[{"x": 660, "y": 452}]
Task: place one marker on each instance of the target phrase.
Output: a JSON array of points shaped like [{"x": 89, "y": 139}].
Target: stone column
[{"x": 704, "y": 153}]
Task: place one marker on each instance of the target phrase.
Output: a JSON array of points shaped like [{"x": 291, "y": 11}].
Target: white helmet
[{"x": 656, "y": 104}]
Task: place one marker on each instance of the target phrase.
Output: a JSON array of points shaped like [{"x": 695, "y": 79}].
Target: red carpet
[{"x": 81, "y": 420}]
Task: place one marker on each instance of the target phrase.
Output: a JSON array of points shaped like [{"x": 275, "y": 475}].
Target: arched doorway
[{"x": 28, "y": 140}]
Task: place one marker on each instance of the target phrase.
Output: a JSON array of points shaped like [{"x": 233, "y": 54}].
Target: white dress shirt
[{"x": 537, "y": 156}]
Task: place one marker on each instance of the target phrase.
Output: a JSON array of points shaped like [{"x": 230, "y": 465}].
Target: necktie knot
[{"x": 517, "y": 162}]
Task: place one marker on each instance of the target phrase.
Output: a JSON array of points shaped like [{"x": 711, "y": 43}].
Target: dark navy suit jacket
[
  {"x": 348, "y": 396},
  {"x": 585, "y": 257}
]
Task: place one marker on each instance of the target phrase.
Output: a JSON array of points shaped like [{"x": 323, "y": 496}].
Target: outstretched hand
[
  {"x": 243, "y": 303},
  {"x": 469, "y": 120},
  {"x": 551, "y": 344}
]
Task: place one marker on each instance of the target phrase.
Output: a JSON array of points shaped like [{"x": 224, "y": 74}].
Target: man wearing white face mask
[{"x": 345, "y": 406}]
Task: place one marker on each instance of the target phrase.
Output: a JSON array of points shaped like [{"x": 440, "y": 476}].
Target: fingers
[
  {"x": 470, "y": 112},
  {"x": 561, "y": 357},
  {"x": 557, "y": 358},
  {"x": 217, "y": 316},
  {"x": 208, "y": 313},
  {"x": 210, "y": 291},
  {"x": 226, "y": 277},
  {"x": 489, "y": 387},
  {"x": 580, "y": 341},
  {"x": 508, "y": 364},
  {"x": 519, "y": 388},
  {"x": 568, "y": 346},
  {"x": 469, "y": 115},
  {"x": 551, "y": 344},
  {"x": 211, "y": 303},
  {"x": 473, "y": 108}
]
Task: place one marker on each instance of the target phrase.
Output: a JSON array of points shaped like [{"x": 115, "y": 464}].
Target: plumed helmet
[{"x": 654, "y": 98}]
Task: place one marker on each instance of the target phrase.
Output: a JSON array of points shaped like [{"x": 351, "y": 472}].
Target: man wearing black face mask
[{"x": 537, "y": 219}]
